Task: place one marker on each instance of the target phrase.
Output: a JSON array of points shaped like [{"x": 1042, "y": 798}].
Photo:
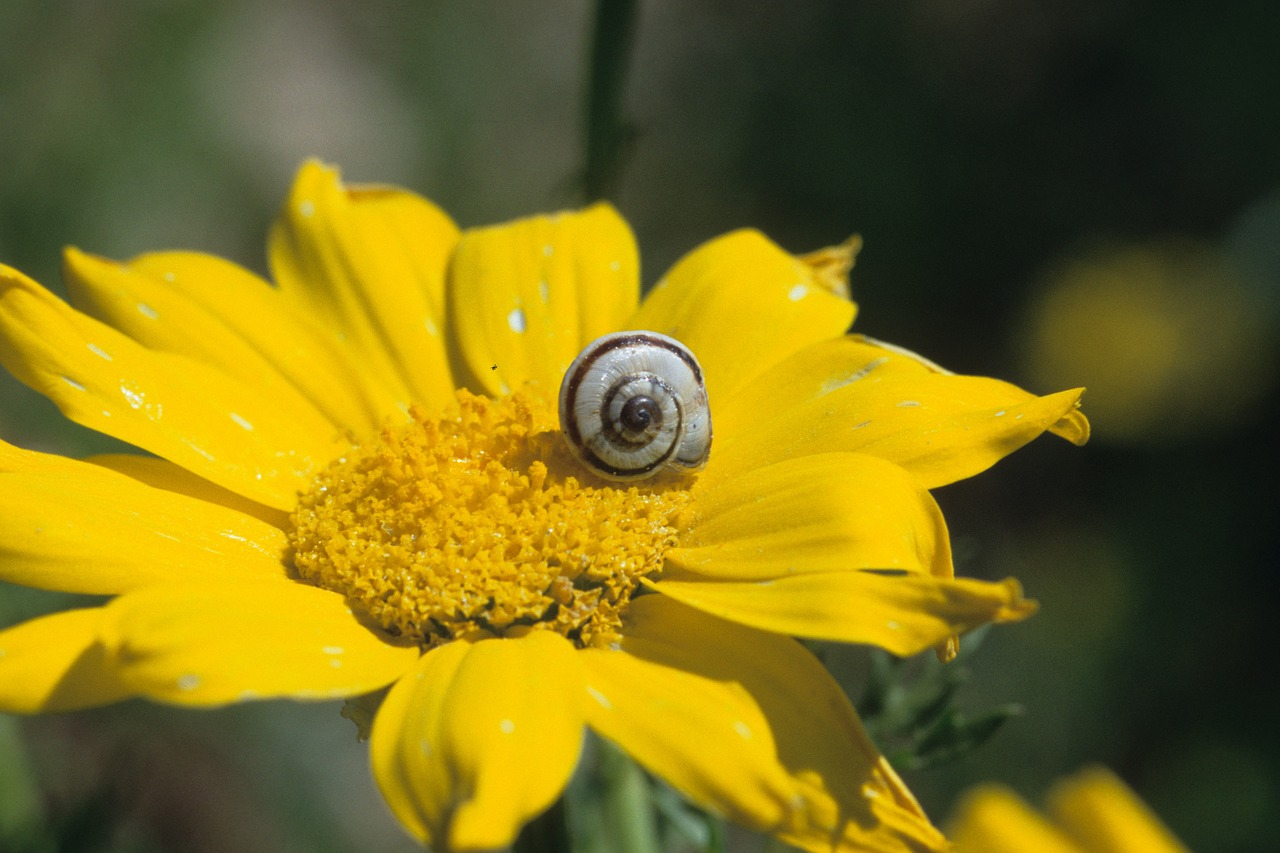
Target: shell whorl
[{"x": 634, "y": 403}]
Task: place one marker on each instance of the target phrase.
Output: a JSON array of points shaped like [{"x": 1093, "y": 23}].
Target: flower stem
[
  {"x": 628, "y": 803},
  {"x": 608, "y": 135}
]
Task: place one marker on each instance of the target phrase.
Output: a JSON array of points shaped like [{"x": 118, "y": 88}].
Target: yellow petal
[
  {"x": 161, "y": 318},
  {"x": 904, "y": 614},
  {"x": 225, "y": 316},
  {"x": 73, "y": 526},
  {"x": 831, "y": 265},
  {"x": 820, "y": 513},
  {"x": 751, "y": 726},
  {"x": 162, "y": 474},
  {"x": 1100, "y": 812},
  {"x": 741, "y": 303},
  {"x": 205, "y": 643},
  {"x": 849, "y": 395},
  {"x": 993, "y": 819},
  {"x": 370, "y": 262},
  {"x": 191, "y": 414},
  {"x": 1073, "y": 426},
  {"x": 54, "y": 663},
  {"x": 525, "y": 297},
  {"x": 479, "y": 738}
]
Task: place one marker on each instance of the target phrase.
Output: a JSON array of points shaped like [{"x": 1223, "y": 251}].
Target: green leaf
[{"x": 955, "y": 735}]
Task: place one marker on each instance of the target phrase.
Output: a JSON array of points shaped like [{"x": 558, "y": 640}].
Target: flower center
[{"x": 481, "y": 523}]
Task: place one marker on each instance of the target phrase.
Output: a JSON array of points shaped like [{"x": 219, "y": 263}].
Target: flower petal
[
  {"x": 162, "y": 474},
  {"x": 993, "y": 819},
  {"x": 525, "y": 297},
  {"x": 161, "y": 318},
  {"x": 180, "y": 409},
  {"x": 209, "y": 644},
  {"x": 849, "y": 395},
  {"x": 54, "y": 663},
  {"x": 371, "y": 262},
  {"x": 77, "y": 527},
  {"x": 223, "y": 315},
  {"x": 831, "y": 265},
  {"x": 903, "y": 614},
  {"x": 479, "y": 738},
  {"x": 1100, "y": 812},
  {"x": 751, "y": 726},
  {"x": 773, "y": 303},
  {"x": 820, "y": 513}
]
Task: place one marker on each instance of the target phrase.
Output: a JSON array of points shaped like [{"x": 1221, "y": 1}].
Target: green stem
[
  {"x": 628, "y": 803},
  {"x": 608, "y": 134},
  {"x": 19, "y": 795}
]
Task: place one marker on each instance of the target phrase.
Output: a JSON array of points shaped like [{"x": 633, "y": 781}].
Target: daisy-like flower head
[
  {"x": 359, "y": 481},
  {"x": 1091, "y": 812}
]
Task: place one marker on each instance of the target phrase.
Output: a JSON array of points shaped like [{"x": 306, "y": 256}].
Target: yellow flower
[
  {"x": 1092, "y": 812},
  {"x": 326, "y": 514}
]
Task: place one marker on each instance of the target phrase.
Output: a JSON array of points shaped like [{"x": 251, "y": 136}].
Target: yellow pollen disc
[{"x": 482, "y": 523}]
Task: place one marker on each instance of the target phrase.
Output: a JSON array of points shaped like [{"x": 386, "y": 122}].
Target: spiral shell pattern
[{"x": 634, "y": 403}]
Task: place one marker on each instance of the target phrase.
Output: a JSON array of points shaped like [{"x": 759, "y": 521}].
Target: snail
[{"x": 633, "y": 404}]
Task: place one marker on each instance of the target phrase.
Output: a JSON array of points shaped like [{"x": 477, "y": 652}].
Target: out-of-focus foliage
[{"x": 1060, "y": 192}]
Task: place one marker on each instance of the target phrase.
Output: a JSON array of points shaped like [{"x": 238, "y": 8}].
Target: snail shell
[{"x": 634, "y": 403}]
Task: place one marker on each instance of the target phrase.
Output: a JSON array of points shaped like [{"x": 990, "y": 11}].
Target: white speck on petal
[
  {"x": 241, "y": 422},
  {"x": 507, "y": 727},
  {"x": 870, "y": 793},
  {"x": 170, "y": 277},
  {"x": 147, "y": 311},
  {"x": 743, "y": 730},
  {"x": 430, "y": 326},
  {"x": 333, "y": 650},
  {"x": 841, "y": 381},
  {"x": 247, "y": 695},
  {"x": 336, "y": 663},
  {"x": 189, "y": 681},
  {"x": 424, "y": 747},
  {"x": 600, "y": 697},
  {"x": 544, "y": 290},
  {"x": 909, "y": 404},
  {"x": 307, "y": 208},
  {"x": 615, "y": 265},
  {"x": 1018, "y": 416},
  {"x": 135, "y": 399},
  {"x": 206, "y": 454},
  {"x": 893, "y": 626},
  {"x": 800, "y": 291},
  {"x": 1001, "y": 413},
  {"x": 99, "y": 352},
  {"x": 74, "y": 384},
  {"x": 548, "y": 250},
  {"x": 516, "y": 320}
]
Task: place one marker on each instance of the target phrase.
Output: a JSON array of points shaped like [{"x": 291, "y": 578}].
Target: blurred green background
[{"x": 1061, "y": 193}]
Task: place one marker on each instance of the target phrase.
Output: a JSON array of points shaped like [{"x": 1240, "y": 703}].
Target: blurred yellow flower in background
[
  {"x": 1090, "y": 812},
  {"x": 359, "y": 483},
  {"x": 1165, "y": 334}
]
